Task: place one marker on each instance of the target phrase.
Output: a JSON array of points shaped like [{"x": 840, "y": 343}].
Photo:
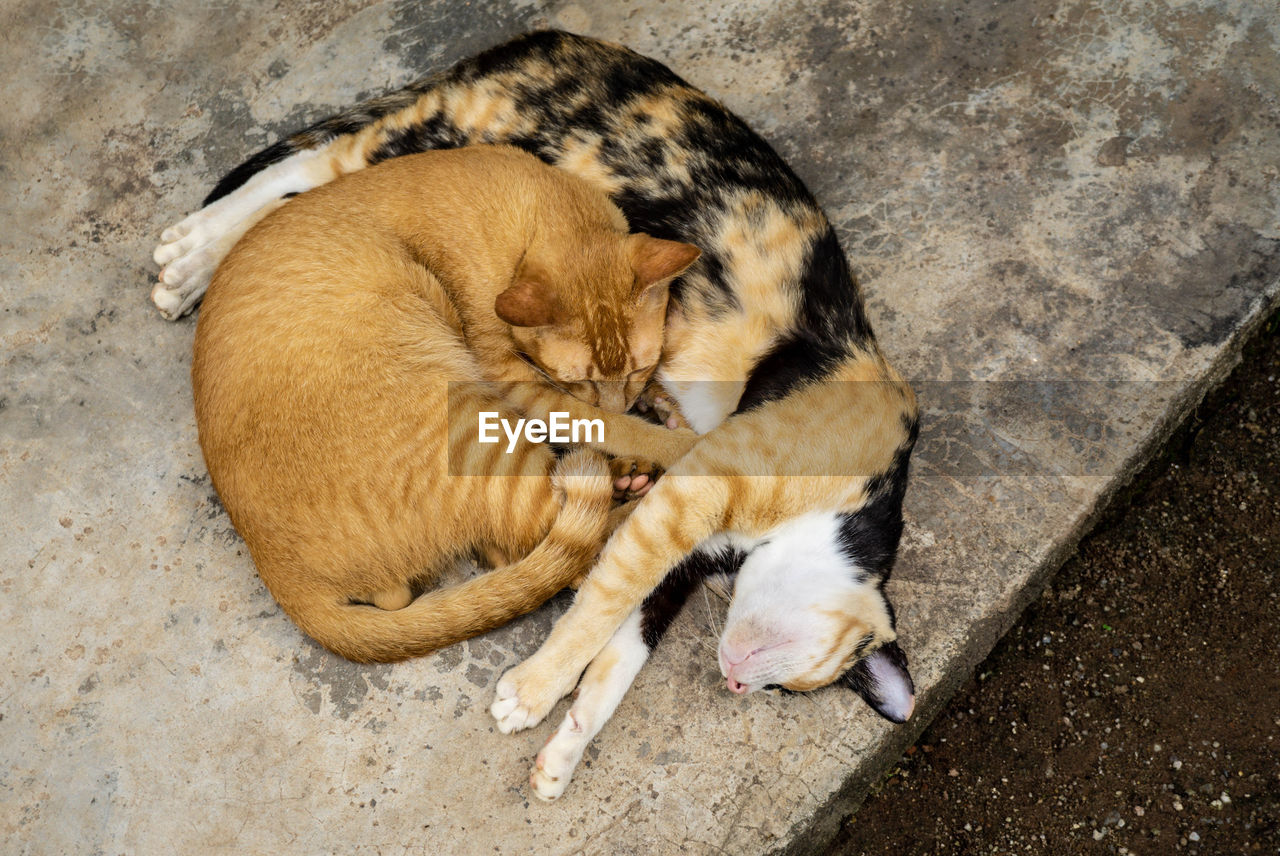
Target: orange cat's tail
[{"x": 442, "y": 617}]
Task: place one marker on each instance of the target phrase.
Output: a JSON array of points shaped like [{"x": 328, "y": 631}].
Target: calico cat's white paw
[
  {"x": 523, "y": 698},
  {"x": 554, "y": 766},
  {"x": 189, "y": 253},
  {"x": 192, "y": 251},
  {"x": 181, "y": 285},
  {"x": 177, "y": 240},
  {"x": 184, "y": 281}
]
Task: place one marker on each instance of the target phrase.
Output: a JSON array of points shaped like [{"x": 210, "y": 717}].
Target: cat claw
[
  {"x": 177, "y": 291},
  {"x": 196, "y": 230},
  {"x": 174, "y": 232},
  {"x": 173, "y": 249}
]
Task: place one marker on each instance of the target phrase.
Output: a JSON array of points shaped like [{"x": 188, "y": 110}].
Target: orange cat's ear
[
  {"x": 656, "y": 260},
  {"x": 527, "y": 303}
]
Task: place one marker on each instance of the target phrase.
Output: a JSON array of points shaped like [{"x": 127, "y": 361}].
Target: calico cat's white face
[{"x": 803, "y": 615}]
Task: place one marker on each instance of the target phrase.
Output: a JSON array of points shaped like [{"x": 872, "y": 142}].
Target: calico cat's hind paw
[
  {"x": 188, "y": 262},
  {"x": 191, "y": 253},
  {"x": 181, "y": 285},
  {"x": 632, "y": 478}
]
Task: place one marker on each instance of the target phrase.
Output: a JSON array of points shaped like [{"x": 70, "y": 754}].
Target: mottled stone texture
[{"x": 1029, "y": 190}]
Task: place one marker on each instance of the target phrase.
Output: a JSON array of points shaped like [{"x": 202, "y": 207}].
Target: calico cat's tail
[{"x": 442, "y": 617}]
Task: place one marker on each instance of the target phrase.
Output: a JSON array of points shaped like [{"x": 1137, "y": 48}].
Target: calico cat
[
  {"x": 799, "y": 480},
  {"x": 327, "y": 369}
]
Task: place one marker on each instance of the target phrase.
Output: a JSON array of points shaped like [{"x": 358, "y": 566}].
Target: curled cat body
[
  {"x": 344, "y": 353},
  {"x": 798, "y": 481}
]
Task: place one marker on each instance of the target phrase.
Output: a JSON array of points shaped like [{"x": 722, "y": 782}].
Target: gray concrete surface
[{"x": 1076, "y": 189}]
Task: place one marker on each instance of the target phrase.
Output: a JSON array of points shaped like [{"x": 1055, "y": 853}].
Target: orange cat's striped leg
[{"x": 680, "y": 512}]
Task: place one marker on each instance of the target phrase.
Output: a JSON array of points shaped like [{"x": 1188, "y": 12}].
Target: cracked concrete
[{"x": 1031, "y": 191}]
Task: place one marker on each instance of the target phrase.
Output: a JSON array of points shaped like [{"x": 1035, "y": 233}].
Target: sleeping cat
[
  {"x": 326, "y": 376},
  {"x": 800, "y": 477}
]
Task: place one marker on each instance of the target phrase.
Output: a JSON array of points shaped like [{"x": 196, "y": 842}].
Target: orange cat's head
[{"x": 588, "y": 311}]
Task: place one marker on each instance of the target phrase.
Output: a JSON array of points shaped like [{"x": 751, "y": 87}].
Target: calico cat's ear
[
  {"x": 527, "y": 303},
  {"x": 657, "y": 261},
  {"x": 882, "y": 679}
]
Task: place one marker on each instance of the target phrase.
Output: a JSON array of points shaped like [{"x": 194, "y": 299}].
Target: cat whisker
[{"x": 710, "y": 613}]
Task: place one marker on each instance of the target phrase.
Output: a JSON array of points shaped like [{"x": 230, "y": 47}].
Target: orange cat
[{"x": 324, "y": 357}]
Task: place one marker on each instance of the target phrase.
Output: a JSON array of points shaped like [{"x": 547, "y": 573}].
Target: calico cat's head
[
  {"x": 833, "y": 626},
  {"x": 589, "y": 312}
]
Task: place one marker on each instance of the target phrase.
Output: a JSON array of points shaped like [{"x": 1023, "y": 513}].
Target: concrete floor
[{"x": 1037, "y": 190}]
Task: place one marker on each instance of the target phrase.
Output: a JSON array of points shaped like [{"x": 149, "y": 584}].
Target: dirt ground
[{"x": 1135, "y": 708}]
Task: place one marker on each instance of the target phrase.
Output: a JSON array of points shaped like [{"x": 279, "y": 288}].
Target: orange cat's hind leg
[
  {"x": 395, "y": 598},
  {"x": 493, "y": 556}
]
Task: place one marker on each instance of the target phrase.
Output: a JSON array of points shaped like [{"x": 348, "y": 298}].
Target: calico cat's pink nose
[
  {"x": 731, "y": 658},
  {"x": 734, "y": 657}
]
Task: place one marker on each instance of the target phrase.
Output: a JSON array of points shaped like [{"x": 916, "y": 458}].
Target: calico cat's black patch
[
  {"x": 509, "y": 56},
  {"x": 794, "y": 361},
  {"x": 831, "y": 323},
  {"x": 869, "y": 536},
  {"x": 247, "y": 170},
  {"x": 831, "y": 307},
  {"x": 434, "y": 133},
  {"x": 663, "y": 604}
]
